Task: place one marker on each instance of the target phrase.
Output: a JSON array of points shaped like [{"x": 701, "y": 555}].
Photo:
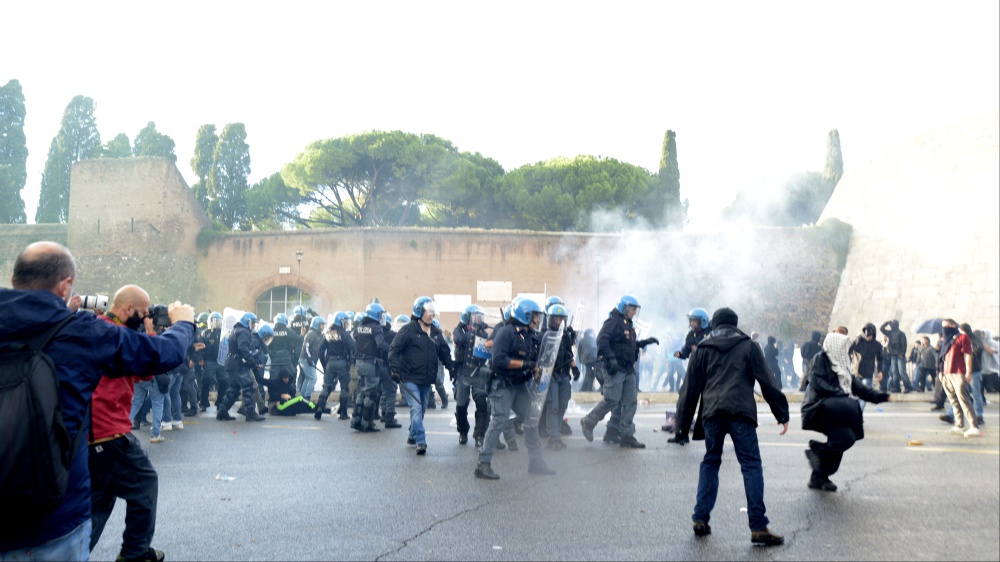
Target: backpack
[{"x": 36, "y": 451}]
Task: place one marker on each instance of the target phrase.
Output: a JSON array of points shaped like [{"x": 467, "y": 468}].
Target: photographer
[{"x": 119, "y": 467}]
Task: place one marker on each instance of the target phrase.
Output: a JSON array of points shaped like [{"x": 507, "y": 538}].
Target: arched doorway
[{"x": 279, "y": 299}]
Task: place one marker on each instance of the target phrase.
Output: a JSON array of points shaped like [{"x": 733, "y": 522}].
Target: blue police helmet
[
  {"x": 553, "y": 300},
  {"x": 626, "y": 301},
  {"x": 299, "y": 310},
  {"x": 386, "y": 318},
  {"x": 374, "y": 311},
  {"x": 317, "y": 322},
  {"x": 421, "y": 305},
  {"x": 215, "y": 316},
  {"x": 524, "y": 309},
  {"x": 469, "y": 311},
  {"x": 700, "y": 314},
  {"x": 265, "y": 331},
  {"x": 248, "y": 319},
  {"x": 402, "y": 319},
  {"x": 436, "y": 324},
  {"x": 358, "y": 317},
  {"x": 557, "y": 309},
  {"x": 280, "y": 318},
  {"x": 339, "y": 318}
]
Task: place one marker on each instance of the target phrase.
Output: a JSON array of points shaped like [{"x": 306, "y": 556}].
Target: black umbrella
[{"x": 932, "y": 326}]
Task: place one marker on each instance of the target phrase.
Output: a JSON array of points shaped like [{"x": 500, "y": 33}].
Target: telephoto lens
[{"x": 94, "y": 302}]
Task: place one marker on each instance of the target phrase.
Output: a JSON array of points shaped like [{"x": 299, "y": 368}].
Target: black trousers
[
  {"x": 120, "y": 468},
  {"x": 838, "y": 440}
]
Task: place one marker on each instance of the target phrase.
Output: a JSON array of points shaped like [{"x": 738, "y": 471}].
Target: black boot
[
  {"x": 356, "y": 417},
  {"x": 342, "y": 411},
  {"x": 391, "y": 423},
  {"x": 368, "y": 420}
]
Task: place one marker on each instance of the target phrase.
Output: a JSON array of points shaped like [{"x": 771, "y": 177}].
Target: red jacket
[{"x": 111, "y": 403}]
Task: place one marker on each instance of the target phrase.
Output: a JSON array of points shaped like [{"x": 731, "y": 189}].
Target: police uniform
[
  {"x": 242, "y": 358},
  {"x": 371, "y": 348},
  {"x": 335, "y": 353},
  {"x": 559, "y": 391},
  {"x": 616, "y": 343},
  {"x": 213, "y": 372},
  {"x": 473, "y": 379},
  {"x": 284, "y": 348},
  {"x": 388, "y": 387}
]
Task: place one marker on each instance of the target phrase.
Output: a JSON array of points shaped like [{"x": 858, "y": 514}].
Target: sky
[{"x": 750, "y": 88}]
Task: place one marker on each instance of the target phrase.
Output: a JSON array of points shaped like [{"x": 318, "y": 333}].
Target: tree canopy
[
  {"x": 77, "y": 139},
  {"x": 150, "y": 142},
  {"x": 227, "y": 180},
  {"x": 13, "y": 153}
]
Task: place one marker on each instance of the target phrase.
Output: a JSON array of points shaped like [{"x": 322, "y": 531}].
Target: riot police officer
[
  {"x": 387, "y": 386},
  {"x": 616, "y": 343},
  {"x": 559, "y": 386},
  {"x": 371, "y": 348},
  {"x": 335, "y": 353},
  {"x": 471, "y": 377},
  {"x": 242, "y": 358},
  {"x": 515, "y": 351},
  {"x": 213, "y": 372},
  {"x": 284, "y": 348}
]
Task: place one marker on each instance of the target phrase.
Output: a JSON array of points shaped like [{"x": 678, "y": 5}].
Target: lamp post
[{"x": 298, "y": 276}]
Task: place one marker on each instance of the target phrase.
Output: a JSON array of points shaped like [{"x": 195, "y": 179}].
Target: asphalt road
[{"x": 315, "y": 490}]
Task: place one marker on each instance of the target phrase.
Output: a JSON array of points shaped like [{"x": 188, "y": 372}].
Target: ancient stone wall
[
  {"x": 14, "y": 237},
  {"x": 134, "y": 220},
  {"x": 926, "y": 241}
]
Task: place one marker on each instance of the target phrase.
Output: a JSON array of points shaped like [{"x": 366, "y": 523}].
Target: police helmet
[
  {"x": 436, "y": 324},
  {"x": 248, "y": 319},
  {"x": 280, "y": 318},
  {"x": 524, "y": 310},
  {"x": 317, "y": 321},
  {"x": 358, "y": 317},
  {"x": 203, "y": 319},
  {"x": 265, "y": 332},
  {"x": 299, "y": 310},
  {"x": 374, "y": 311},
  {"x": 557, "y": 309},
  {"x": 421, "y": 305},
  {"x": 386, "y": 318},
  {"x": 350, "y": 314},
  {"x": 626, "y": 301},
  {"x": 553, "y": 300},
  {"x": 470, "y": 311},
  {"x": 215, "y": 320},
  {"x": 339, "y": 318},
  {"x": 402, "y": 319},
  {"x": 699, "y": 314}
]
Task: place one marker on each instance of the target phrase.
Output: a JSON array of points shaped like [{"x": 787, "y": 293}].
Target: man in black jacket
[
  {"x": 897, "y": 356},
  {"x": 371, "y": 346},
  {"x": 721, "y": 375},
  {"x": 808, "y": 350},
  {"x": 870, "y": 352},
  {"x": 240, "y": 361},
  {"x": 413, "y": 361}
]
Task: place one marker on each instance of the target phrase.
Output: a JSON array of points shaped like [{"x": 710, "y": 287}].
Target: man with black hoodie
[
  {"x": 721, "y": 376},
  {"x": 870, "y": 352},
  {"x": 809, "y": 350}
]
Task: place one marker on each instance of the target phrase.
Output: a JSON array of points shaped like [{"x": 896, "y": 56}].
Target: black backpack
[{"x": 36, "y": 451}]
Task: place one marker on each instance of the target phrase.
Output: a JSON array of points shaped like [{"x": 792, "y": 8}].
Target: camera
[
  {"x": 158, "y": 312},
  {"x": 94, "y": 302}
]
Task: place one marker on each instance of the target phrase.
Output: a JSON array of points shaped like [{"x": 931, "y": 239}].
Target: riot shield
[
  {"x": 577, "y": 321},
  {"x": 230, "y": 316},
  {"x": 548, "y": 351}
]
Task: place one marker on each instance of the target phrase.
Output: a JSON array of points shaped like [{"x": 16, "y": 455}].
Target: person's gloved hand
[
  {"x": 576, "y": 372},
  {"x": 679, "y": 438},
  {"x": 527, "y": 364},
  {"x": 452, "y": 374},
  {"x": 395, "y": 377},
  {"x": 614, "y": 366},
  {"x": 648, "y": 341}
]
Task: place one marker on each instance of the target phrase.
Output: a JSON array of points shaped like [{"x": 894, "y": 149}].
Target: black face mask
[
  {"x": 133, "y": 322},
  {"x": 949, "y": 332}
]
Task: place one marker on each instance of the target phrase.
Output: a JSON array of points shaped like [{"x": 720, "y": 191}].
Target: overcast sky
[{"x": 751, "y": 88}]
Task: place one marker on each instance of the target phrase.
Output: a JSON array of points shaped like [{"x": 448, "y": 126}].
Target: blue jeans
[
  {"x": 174, "y": 413},
  {"x": 977, "y": 393},
  {"x": 74, "y": 546},
  {"x": 149, "y": 388},
  {"x": 867, "y": 382},
  {"x": 308, "y": 383},
  {"x": 744, "y": 436},
  {"x": 417, "y": 399},
  {"x": 897, "y": 371}
]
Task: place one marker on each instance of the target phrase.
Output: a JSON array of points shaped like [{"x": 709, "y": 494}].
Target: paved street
[{"x": 315, "y": 490}]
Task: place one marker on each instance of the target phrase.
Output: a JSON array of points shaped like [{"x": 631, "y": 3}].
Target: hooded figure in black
[
  {"x": 771, "y": 356},
  {"x": 808, "y": 350},
  {"x": 829, "y": 407},
  {"x": 243, "y": 357},
  {"x": 720, "y": 382},
  {"x": 870, "y": 352}
]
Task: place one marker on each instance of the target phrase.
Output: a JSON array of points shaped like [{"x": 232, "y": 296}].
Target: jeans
[
  {"x": 920, "y": 378},
  {"x": 120, "y": 468},
  {"x": 977, "y": 393},
  {"x": 417, "y": 399},
  {"x": 897, "y": 371},
  {"x": 619, "y": 388},
  {"x": 308, "y": 383},
  {"x": 744, "y": 436},
  {"x": 213, "y": 373},
  {"x": 867, "y": 381},
  {"x": 72, "y": 546},
  {"x": 149, "y": 388},
  {"x": 174, "y": 413}
]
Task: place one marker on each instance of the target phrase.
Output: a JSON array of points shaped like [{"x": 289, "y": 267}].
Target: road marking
[
  {"x": 268, "y": 426},
  {"x": 955, "y": 450}
]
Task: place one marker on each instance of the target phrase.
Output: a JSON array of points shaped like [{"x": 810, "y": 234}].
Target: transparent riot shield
[
  {"x": 577, "y": 321},
  {"x": 230, "y": 316},
  {"x": 548, "y": 351}
]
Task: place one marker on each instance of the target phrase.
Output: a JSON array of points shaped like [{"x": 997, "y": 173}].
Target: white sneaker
[
  {"x": 957, "y": 429},
  {"x": 166, "y": 426},
  {"x": 973, "y": 432},
  {"x": 177, "y": 424},
  {"x": 157, "y": 439}
]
